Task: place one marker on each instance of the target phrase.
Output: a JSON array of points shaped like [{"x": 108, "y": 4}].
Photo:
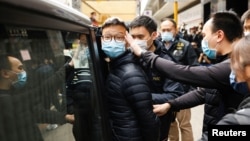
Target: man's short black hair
[
  {"x": 92, "y": 13},
  {"x": 229, "y": 22},
  {"x": 145, "y": 21},
  {"x": 114, "y": 21},
  {"x": 172, "y": 21}
]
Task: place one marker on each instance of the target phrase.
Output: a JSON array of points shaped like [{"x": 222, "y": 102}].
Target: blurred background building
[{"x": 190, "y": 12}]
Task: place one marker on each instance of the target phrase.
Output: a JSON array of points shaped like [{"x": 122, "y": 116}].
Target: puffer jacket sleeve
[{"x": 138, "y": 94}]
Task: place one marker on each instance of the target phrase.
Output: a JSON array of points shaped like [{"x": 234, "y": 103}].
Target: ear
[
  {"x": 247, "y": 71},
  {"x": 154, "y": 35},
  {"x": 4, "y": 74},
  {"x": 158, "y": 34},
  {"x": 220, "y": 35}
]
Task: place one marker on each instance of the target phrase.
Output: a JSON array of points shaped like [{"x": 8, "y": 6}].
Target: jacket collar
[{"x": 125, "y": 58}]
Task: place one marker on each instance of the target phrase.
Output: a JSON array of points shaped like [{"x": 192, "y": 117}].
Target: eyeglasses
[{"x": 108, "y": 38}]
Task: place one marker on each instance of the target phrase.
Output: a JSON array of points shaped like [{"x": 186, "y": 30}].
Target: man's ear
[
  {"x": 154, "y": 35},
  {"x": 4, "y": 73},
  {"x": 220, "y": 35},
  {"x": 247, "y": 71}
]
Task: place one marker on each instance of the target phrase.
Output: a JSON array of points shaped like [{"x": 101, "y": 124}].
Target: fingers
[
  {"x": 70, "y": 118},
  {"x": 161, "y": 109},
  {"x": 71, "y": 63},
  {"x": 158, "y": 110},
  {"x": 136, "y": 49},
  {"x": 129, "y": 38}
]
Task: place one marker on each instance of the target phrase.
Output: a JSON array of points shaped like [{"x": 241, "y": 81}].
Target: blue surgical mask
[
  {"x": 240, "y": 87},
  {"x": 21, "y": 80},
  {"x": 210, "y": 53},
  {"x": 167, "y": 36},
  {"x": 113, "y": 49}
]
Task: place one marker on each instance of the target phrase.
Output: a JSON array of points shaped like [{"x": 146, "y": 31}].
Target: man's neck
[
  {"x": 152, "y": 48},
  {"x": 4, "y": 86},
  {"x": 226, "y": 48},
  {"x": 167, "y": 45}
]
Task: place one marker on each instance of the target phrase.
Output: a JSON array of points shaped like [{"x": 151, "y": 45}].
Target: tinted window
[{"x": 37, "y": 110}]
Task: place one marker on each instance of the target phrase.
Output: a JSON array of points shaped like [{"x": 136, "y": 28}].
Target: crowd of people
[
  {"x": 178, "y": 78},
  {"x": 154, "y": 79}
]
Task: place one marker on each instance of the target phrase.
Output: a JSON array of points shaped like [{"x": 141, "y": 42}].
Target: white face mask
[
  {"x": 142, "y": 43},
  {"x": 246, "y": 33}
]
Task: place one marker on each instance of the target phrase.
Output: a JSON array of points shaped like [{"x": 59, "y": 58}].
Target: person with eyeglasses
[{"x": 128, "y": 97}]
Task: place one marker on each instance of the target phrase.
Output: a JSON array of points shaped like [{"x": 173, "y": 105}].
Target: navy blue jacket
[
  {"x": 183, "y": 52},
  {"x": 162, "y": 88},
  {"x": 129, "y": 102}
]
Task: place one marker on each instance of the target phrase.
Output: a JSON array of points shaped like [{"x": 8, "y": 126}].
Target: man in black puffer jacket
[{"x": 129, "y": 100}]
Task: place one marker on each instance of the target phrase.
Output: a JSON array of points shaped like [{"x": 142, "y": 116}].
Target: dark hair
[
  {"x": 92, "y": 13},
  {"x": 145, "y": 21},
  {"x": 229, "y": 23},
  {"x": 114, "y": 21},
  {"x": 172, "y": 21}
]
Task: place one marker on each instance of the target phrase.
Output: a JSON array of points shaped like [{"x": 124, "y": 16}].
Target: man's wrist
[
  {"x": 143, "y": 51},
  {"x": 136, "y": 49}
]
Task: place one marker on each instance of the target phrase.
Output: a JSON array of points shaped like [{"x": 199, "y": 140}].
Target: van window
[{"x": 36, "y": 111}]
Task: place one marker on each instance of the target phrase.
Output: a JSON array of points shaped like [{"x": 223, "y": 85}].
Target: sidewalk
[{"x": 197, "y": 121}]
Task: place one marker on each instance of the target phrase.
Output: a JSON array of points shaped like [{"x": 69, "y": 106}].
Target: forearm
[
  {"x": 160, "y": 98},
  {"x": 209, "y": 77},
  {"x": 188, "y": 100}
]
